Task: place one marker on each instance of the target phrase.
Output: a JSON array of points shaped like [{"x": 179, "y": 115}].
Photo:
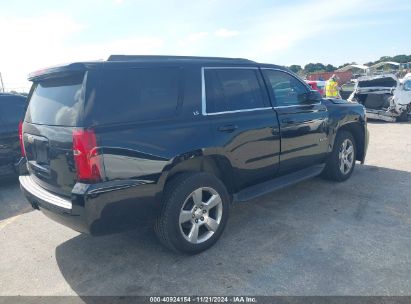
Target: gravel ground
[{"x": 315, "y": 238}]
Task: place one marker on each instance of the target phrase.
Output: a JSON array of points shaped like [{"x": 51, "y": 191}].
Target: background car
[
  {"x": 12, "y": 107},
  {"x": 384, "y": 97},
  {"x": 317, "y": 85}
]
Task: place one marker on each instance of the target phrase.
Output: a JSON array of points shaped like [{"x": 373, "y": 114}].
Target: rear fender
[{"x": 196, "y": 161}]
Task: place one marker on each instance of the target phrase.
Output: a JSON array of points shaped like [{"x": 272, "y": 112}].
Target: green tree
[
  {"x": 314, "y": 67},
  {"x": 401, "y": 58},
  {"x": 295, "y": 68},
  {"x": 383, "y": 58},
  {"x": 345, "y": 64},
  {"x": 330, "y": 68}
]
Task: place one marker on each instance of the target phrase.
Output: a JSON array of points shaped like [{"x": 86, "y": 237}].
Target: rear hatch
[
  {"x": 375, "y": 92},
  {"x": 55, "y": 108},
  {"x": 378, "y": 82}
]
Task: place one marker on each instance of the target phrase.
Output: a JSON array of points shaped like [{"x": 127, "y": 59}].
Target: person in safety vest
[{"x": 331, "y": 88}]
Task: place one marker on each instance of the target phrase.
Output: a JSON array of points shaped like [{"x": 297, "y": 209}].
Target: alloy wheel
[
  {"x": 346, "y": 156},
  {"x": 200, "y": 215}
]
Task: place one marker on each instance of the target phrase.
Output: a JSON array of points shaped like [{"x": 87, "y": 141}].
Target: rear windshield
[{"x": 56, "y": 101}]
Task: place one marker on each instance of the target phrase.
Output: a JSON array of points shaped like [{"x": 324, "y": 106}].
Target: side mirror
[{"x": 312, "y": 96}]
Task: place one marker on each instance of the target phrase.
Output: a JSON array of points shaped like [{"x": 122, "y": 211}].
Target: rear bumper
[
  {"x": 44, "y": 196},
  {"x": 99, "y": 208},
  {"x": 381, "y": 115},
  {"x": 55, "y": 207}
]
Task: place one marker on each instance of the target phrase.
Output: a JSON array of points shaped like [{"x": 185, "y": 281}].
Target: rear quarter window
[{"x": 136, "y": 94}]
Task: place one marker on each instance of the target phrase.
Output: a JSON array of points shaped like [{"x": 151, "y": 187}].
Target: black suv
[
  {"x": 177, "y": 140},
  {"x": 12, "y": 107}
]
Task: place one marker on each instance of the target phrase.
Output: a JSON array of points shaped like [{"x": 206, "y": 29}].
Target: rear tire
[
  {"x": 341, "y": 161},
  {"x": 194, "y": 214},
  {"x": 403, "y": 117}
]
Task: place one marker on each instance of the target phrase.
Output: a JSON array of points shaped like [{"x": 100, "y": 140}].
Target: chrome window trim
[
  {"x": 30, "y": 186},
  {"x": 204, "y": 97},
  {"x": 231, "y": 67},
  {"x": 203, "y": 93},
  {"x": 239, "y": 111},
  {"x": 300, "y": 105},
  {"x": 306, "y": 85}
]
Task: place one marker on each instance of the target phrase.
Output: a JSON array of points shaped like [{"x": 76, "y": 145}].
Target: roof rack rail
[{"x": 165, "y": 57}]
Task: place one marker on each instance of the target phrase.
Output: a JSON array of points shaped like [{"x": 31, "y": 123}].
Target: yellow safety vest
[{"x": 331, "y": 89}]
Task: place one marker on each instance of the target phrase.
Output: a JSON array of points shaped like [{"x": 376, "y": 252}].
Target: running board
[{"x": 280, "y": 182}]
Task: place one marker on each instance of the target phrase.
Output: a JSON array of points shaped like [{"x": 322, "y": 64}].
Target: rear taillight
[
  {"x": 88, "y": 162},
  {"x": 23, "y": 151}
]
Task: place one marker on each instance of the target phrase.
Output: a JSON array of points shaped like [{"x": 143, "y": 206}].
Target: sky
[{"x": 38, "y": 34}]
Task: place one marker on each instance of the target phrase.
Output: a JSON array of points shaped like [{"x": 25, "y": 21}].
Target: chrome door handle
[{"x": 228, "y": 128}]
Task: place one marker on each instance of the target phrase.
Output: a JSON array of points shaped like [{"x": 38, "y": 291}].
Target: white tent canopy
[
  {"x": 367, "y": 69},
  {"x": 380, "y": 64},
  {"x": 354, "y": 66}
]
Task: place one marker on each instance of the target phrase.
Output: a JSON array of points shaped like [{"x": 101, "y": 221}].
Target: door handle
[
  {"x": 287, "y": 121},
  {"x": 227, "y": 128}
]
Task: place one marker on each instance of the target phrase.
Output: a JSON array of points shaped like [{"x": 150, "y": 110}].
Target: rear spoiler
[{"x": 60, "y": 70}]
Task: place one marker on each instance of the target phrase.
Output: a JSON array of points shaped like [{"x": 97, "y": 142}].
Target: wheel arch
[
  {"x": 357, "y": 130},
  {"x": 217, "y": 165}
]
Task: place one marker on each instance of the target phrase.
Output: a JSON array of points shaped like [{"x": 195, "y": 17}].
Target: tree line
[{"x": 319, "y": 67}]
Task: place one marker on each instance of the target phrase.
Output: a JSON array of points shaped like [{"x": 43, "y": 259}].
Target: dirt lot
[{"x": 315, "y": 238}]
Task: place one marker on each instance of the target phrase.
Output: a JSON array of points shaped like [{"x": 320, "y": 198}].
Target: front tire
[
  {"x": 194, "y": 214},
  {"x": 341, "y": 161}
]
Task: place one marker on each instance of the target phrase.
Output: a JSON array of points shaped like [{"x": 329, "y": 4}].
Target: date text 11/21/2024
[{"x": 204, "y": 299}]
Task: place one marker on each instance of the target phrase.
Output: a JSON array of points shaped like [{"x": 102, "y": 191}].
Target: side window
[
  {"x": 233, "y": 89},
  {"x": 407, "y": 85},
  {"x": 12, "y": 110},
  {"x": 139, "y": 94},
  {"x": 287, "y": 89}
]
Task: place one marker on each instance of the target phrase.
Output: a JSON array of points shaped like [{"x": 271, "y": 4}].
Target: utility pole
[{"x": 2, "y": 84}]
